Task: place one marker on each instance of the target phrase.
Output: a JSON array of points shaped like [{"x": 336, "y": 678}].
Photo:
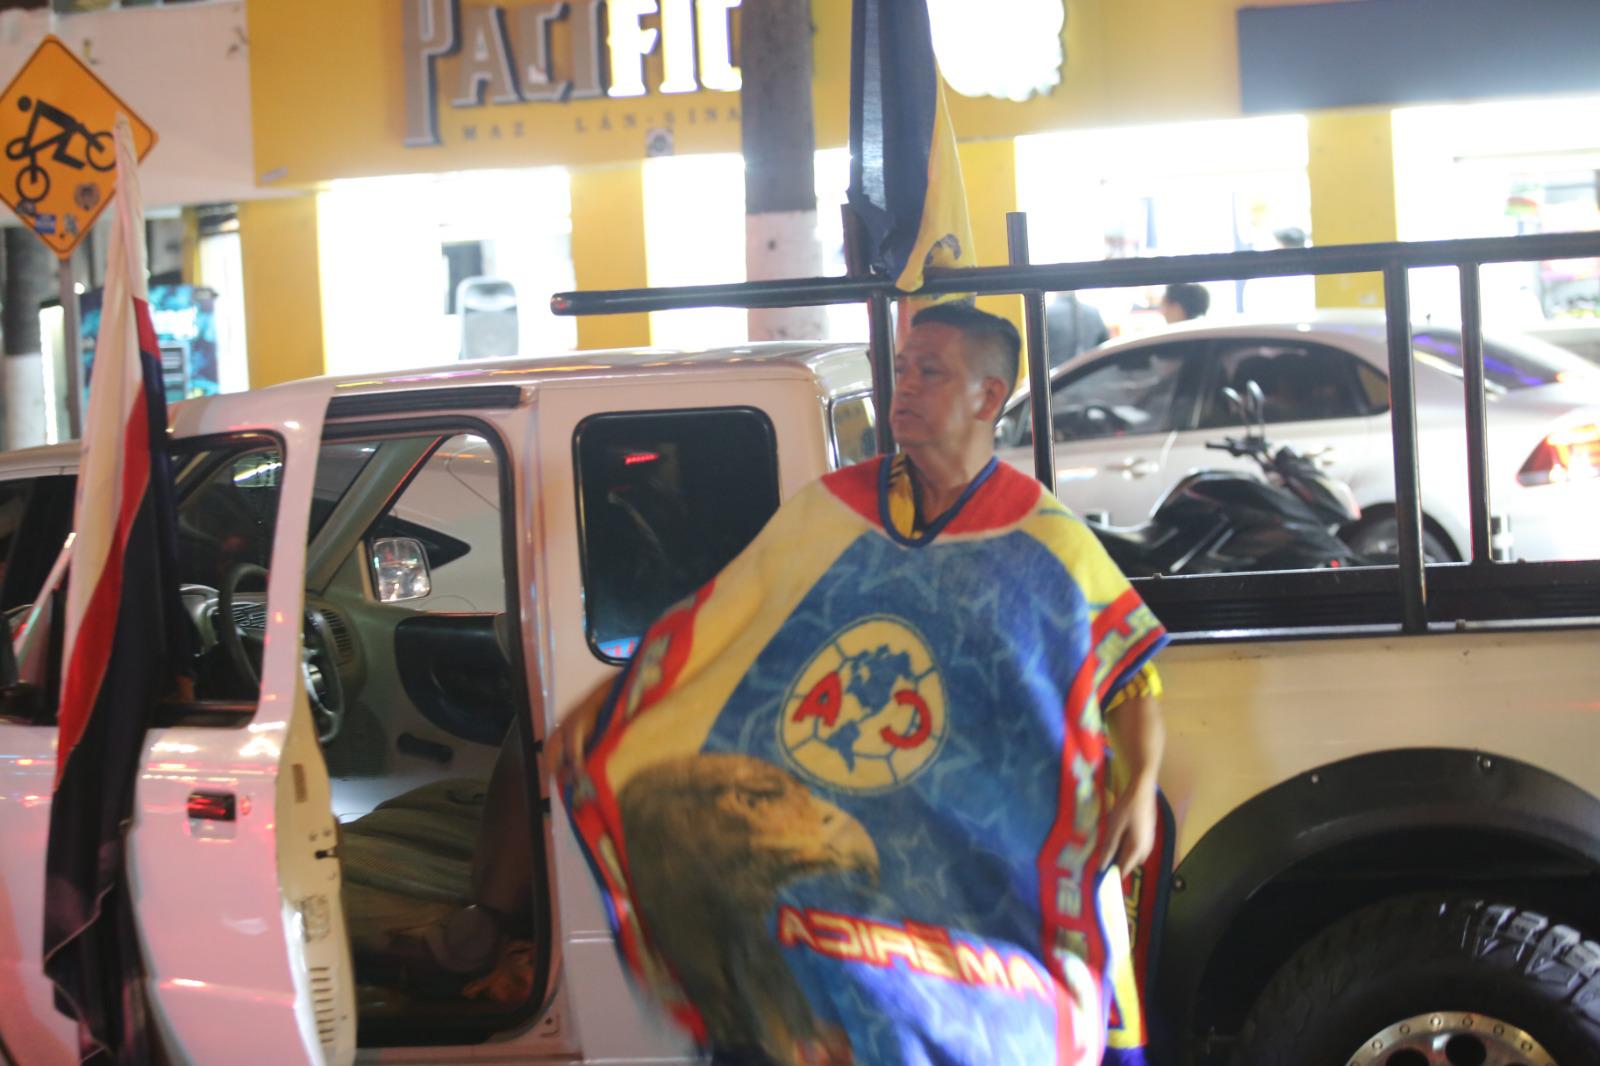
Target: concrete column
[
  {"x": 779, "y": 143},
  {"x": 282, "y": 289},
  {"x": 608, "y": 250},
  {"x": 989, "y": 170},
  {"x": 30, "y": 280},
  {"x": 1351, "y": 170}
]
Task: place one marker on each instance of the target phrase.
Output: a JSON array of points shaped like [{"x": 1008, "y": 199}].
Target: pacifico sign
[{"x": 558, "y": 50}]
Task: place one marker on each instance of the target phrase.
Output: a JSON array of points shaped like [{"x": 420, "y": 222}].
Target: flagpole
[{"x": 69, "y": 348}]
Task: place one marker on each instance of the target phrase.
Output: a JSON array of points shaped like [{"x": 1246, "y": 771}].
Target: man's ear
[{"x": 994, "y": 393}]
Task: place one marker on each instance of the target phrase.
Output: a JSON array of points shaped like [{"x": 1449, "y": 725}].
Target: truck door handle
[{"x": 1134, "y": 467}]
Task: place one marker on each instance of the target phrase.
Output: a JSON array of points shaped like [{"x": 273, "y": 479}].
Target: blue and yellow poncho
[{"x": 845, "y": 804}]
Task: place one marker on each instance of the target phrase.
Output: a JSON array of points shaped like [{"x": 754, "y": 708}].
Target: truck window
[
  {"x": 1300, "y": 382},
  {"x": 452, "y": 509},
  {"x": 666, "y": 499},
  {"x": 227, "y": 515},
  {"x": 35, "y": 519}
]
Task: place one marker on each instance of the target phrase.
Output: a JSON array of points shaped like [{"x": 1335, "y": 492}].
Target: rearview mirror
[{"x": 400, "y": 569}]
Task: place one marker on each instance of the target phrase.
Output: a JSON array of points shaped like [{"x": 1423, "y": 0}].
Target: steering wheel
[
  {"x": 318, "y": 667},
  {"x": 1087, "y": 422},
  {"x": 1100, "y": 414}
]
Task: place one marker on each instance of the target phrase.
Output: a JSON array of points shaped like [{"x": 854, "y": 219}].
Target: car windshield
[{"x": 1525, "y": 364}]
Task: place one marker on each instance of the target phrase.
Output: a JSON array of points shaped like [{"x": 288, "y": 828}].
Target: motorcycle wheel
[
  {"x": 1378, "y": 539},
  {"x": 1430, "y": 981}
]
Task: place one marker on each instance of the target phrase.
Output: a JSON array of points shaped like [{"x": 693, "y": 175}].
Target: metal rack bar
[
  {"x": 1407, "y": 475},
  {"x": 1037, "y": 336},
  {"x": 1108, "y": 273},
  {"x": 1034, "y": 280},
  {"x": 1477, "y": 414}
]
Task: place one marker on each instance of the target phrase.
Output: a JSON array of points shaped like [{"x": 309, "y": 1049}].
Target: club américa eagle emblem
[{"x": 867, "y": 714}]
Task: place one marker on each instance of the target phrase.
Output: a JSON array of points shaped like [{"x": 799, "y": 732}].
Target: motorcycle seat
[{"x": 1145, "y": 537}]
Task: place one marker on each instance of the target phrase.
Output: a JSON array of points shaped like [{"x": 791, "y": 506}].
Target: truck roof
[
  {"x": 835, "y": 368},
  {"x": 839, "y": 367}
]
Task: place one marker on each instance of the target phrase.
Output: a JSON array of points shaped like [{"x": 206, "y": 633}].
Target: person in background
[
  {"x": 1184, "y": 301},
  {"x": 1074, "y": 327}
]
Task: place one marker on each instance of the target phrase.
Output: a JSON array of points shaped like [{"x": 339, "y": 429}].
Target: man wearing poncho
[{"x": 849, "y": 803}]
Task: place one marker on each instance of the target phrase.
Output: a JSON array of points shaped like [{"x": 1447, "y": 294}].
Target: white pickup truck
[{"x": 400, "y": 585}]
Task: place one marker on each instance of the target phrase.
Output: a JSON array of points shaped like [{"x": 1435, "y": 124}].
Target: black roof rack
[{"x": 1408, "y": 582}]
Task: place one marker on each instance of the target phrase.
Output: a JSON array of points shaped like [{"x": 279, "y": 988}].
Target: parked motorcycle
[{"x": 1222, "y": 521}]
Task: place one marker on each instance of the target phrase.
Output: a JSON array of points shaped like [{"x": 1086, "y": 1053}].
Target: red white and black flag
[{"x": 121, "y": 652}]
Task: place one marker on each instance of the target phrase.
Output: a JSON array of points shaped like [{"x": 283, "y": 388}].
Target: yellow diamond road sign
[{"x": 59, "y": 168}]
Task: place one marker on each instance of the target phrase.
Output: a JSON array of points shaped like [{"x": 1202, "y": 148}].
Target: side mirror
[
  {"x": 1258, "y": 403},
  {"x": 1235, "y": 403},
  {"x": 400, "y": 569}
]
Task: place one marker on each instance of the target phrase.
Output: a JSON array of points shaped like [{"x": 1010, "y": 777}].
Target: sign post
[
  {"x": 58, "y": 170},
  {"x": 71, "y": 346}
]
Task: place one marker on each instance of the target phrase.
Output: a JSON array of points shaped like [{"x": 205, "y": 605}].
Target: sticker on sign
[{"x": 59, "y": 166}]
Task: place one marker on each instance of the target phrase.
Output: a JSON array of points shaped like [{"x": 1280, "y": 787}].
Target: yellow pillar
[
  {"x": 989, "y": 171},
  {"x": 1351, "y": 170},
  {"x": 282, "y": 289},
  {"x": 191, "y": 246},
  {"x": 608, "y": 249}
]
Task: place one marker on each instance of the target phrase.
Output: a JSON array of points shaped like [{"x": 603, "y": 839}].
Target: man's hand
[
  {"x": 1137, "y": 737},
  {"x": 1131, "y": 826}
]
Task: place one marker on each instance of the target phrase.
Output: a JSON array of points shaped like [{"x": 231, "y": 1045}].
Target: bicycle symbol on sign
[{"x": 33, "y": 181}]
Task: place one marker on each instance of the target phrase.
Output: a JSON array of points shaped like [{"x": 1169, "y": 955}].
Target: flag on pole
[
  {"x": 120, "y": 652},
  {"x": 905, "y": 177}
]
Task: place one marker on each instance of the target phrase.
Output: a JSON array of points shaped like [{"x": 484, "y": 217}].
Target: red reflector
[
  {"x": 213, "y": 806},
  {"x": 635, "y": 458}
]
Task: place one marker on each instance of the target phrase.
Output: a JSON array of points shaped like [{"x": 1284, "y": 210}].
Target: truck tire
[{"x": 1431, "y": 981}]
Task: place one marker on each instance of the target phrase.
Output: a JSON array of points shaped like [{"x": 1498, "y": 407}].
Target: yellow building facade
[{"x": 365, "y": 88}]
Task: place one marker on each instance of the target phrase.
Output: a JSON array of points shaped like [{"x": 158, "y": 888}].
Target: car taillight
[{"x": 1566, "y": 455}]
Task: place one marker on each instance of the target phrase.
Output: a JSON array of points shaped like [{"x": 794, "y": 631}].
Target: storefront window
[
  {"x": 1185, "y": 189},
  {"x": 695, "y": 234},
  {"x": 428, "y": 269},
  {"x": 1501, "y": 170}
]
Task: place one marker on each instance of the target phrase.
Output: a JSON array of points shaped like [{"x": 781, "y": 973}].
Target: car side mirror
[
  {"x": 1235, "y": 402},
  {"x": 400, "y": 569},
  {"x": 1258, "y": 405}
]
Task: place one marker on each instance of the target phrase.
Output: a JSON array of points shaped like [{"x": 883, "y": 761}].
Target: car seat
[{"x": 438, "y": 884}]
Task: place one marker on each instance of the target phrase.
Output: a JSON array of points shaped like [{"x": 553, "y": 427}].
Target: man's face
[{"x": 937, "y": 397}]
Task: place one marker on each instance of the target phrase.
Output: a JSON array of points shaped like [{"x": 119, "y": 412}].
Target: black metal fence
[{"x": 1409, "y": 596}]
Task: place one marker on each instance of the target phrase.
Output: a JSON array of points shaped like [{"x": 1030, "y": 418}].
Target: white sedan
[{"x": 1133, "y": 417}]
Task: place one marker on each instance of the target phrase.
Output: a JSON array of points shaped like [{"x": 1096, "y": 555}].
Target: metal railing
[{"x": 1514, "y": 586}]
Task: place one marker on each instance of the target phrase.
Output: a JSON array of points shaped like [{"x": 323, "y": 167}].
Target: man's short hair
[
  {"x": 1194, "y": 299},
  {"x": 996, "y": 341}
]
